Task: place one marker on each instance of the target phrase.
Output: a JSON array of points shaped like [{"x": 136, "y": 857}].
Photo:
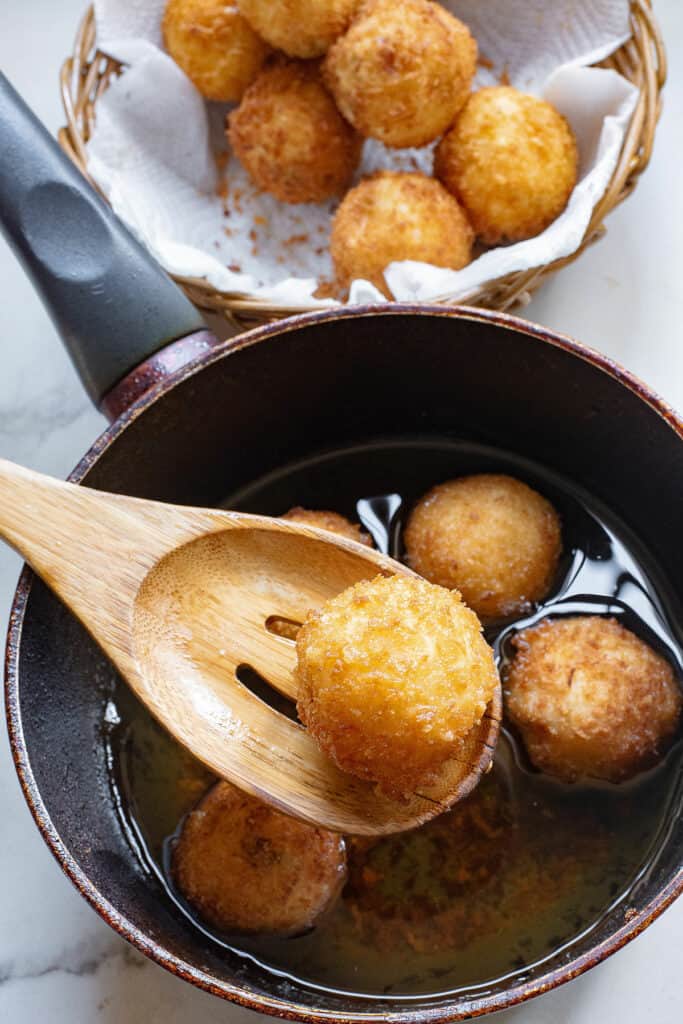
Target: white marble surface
[{"x": 58, "y": 961}]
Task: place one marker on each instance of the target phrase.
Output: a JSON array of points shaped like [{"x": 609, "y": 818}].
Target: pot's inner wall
[{"x": 322, "y": 386}]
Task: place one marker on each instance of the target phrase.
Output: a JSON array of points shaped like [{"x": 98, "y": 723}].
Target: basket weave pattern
[{"x": 86, "y": 75}]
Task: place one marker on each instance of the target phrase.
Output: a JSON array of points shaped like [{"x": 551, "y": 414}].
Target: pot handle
[{"x": 112, "y": 304}]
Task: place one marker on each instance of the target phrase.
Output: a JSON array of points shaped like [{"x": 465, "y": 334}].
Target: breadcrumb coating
[
  {"x": 245, "y": 867},
  {"x": 290, "y": 137},
  {"x": 300, "y": 28},
  {"x": 393, "y": 674},
  {"x": 402, "y": 71},
  {"x": 214, "y": 45},
  {"x": 511, "y": 160},
  {"x": 490, "y": 536},
  {"x": 591, "y": 699},
  {"x": 397, "y": 216}
]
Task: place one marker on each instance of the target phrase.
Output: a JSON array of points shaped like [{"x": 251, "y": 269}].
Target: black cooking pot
[{"x": 200, "y": 420}]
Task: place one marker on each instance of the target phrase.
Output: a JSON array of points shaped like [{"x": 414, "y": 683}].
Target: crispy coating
[
  {"x": 245, "y": 867},
  {"x": 331, "y": 521},
  {"x": 214, "y": 45},
  {"x": 290, "y": 136},
  {"x": 397, "y": 216},
  {"x": 402, "y": 71},
  {"x": 392, "y": 674},
  {"x": 490, "y": 536},
  {"x": 511, "y": 160},
  {"x": 301, "y": 28},
  {"x": 591, "y": 699}
]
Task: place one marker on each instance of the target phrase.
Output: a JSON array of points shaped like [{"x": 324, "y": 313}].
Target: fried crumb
[
  {"x": 448, "y": 885},
  {"x": 296, "y": 240},
  {"x": 223, "y": 193},
  {"x": 327, "y": 290}
]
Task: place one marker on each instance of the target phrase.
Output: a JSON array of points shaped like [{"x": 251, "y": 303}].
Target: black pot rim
[{"x": 445, "y": 1012}]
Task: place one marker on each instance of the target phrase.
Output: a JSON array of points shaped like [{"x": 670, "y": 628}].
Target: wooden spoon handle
[
  {"x": 92, "y": 549},
  {"x": 32, "y": 510}
]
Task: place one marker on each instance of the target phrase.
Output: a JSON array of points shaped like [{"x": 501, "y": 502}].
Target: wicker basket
[{"x": 642, "y": 59}]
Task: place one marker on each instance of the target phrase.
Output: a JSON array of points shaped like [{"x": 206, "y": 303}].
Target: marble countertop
[{"x": 58, "y": 960}]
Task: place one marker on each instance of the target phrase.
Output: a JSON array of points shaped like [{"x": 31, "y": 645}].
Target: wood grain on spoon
[{"x": 179, "y": 598}]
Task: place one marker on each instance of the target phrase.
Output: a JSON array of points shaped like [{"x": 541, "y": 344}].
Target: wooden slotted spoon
[{"x": 180, "y": 598}]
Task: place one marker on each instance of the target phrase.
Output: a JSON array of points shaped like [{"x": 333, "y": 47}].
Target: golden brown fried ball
[
  {"x": 331, "y": 521},
  {"x": 591, "y": 699},
  {"x": 397, "y": 216},
  {"x": 245, "y": 867},
  {"x": 291, "y": 138},
  {"x": 301, "y": 28},
  {"x": 214, "y": 45},
  {"x": 402, "y": 71},
  {"x": 392, "y": 674},
  {"x": 490, "y": 536},
  {"x": 511, "y": 160}
]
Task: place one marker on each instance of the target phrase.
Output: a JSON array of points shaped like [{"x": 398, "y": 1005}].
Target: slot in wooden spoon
[{"x": 179, "y": 599}]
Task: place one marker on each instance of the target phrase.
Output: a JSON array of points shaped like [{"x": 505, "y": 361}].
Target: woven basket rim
[{"x": 87, "y": 72}]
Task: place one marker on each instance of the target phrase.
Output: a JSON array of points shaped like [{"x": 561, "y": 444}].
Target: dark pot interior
[{"x": 284, "y": 392}]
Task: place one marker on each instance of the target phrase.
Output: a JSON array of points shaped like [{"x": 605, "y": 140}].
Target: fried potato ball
[
  {"x": 397, "y": 216},
  {"x": 489, "y": 536},
  {"x": 291, "y": 138},
  {"x": 393, "y": 673},
  {"x": 331, "y": 521},
  {"x": 245, "y": 867},
  {"x": 214, "y": 45},
  {"x": 511, "y": 160},
  {"x": 591, "y": 699},
  {"x": 301, "y": 28},
  {"x": 402, "y": 71}
]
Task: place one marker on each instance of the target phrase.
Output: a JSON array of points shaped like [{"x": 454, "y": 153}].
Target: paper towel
[{"x": 155, "y": 146}]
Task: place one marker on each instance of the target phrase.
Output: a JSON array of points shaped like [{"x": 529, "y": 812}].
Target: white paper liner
[{"x": 153, "y": 152}]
